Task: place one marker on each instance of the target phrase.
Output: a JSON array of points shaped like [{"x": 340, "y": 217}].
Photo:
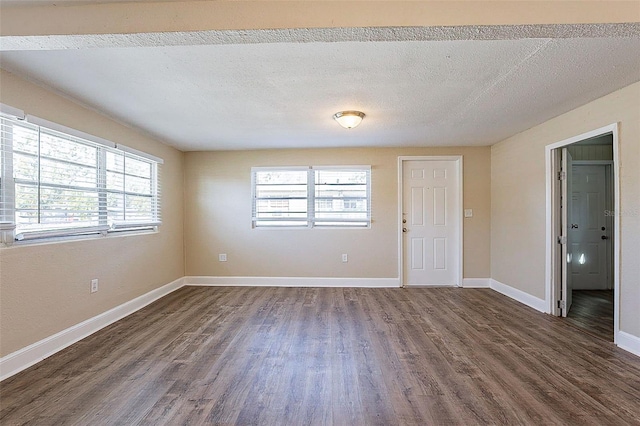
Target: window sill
[{"x": 82, "y": 237}]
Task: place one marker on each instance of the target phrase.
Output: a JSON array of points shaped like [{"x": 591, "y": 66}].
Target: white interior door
[
  {"x": 589, "y": 234},
  {"x": 566, "y": 207},
  {"x": 431, "y": 215}
]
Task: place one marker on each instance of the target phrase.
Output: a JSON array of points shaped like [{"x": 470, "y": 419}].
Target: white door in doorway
[
  {"x": 589, "y": 233},
  {"x": 431, "y": 222}
]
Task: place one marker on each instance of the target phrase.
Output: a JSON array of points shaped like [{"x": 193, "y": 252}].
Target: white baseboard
[
  {"x": 520, "y": 296},
  {"x": 292, "y": 282},
  {"x": 476, "y": 283},
  {"x": 26, "y": 357},
  {"x": 629, "y": 342}
]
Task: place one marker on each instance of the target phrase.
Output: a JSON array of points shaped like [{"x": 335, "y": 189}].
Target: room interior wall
[
  {"x": 44, "y": 288},
  {"x": 218, "y": 217},
  {"x": 518, "y": 198},
  {"x": 65, "y": 17}
]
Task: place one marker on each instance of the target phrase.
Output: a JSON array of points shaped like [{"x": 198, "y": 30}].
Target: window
[
  {"x": 311, "y": 196},
  {"x": 341, "y": 197},
  {"x": 56, "y": 184},
  {"x": 280, "y": 197}
]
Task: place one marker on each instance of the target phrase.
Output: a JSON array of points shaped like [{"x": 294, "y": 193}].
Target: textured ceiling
[{"x": 247, "y": 90}]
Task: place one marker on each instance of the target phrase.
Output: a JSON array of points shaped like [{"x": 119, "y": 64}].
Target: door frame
[
  {"x": 552, "y": 267},
  {"x": 457, "y": 159}
]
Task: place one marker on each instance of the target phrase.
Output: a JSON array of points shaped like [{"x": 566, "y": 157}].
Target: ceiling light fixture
[{"x": 348, "y": 119}]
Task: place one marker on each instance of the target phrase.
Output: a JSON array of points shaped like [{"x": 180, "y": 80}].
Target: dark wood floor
[
  {"x": 295, "y": 356},
  {"x": 592, "y": 312}
]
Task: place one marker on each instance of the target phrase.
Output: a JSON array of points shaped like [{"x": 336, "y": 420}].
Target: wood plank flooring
[
  {"x": 327, "y": 356},
  {"x": 592, "y": 311}
]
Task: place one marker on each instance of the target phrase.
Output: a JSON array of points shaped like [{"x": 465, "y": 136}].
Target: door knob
[
  {"x": 604, "y": 237},
  {"x": 404, "y": 229}
]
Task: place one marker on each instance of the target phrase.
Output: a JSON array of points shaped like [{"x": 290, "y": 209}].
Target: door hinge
[
  {"x": 562, "y": 304},
  {"x": 562, "y": 175},
  {"x": 562, "y": 239}
]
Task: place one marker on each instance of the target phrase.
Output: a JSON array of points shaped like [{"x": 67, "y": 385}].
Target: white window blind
[
  {"x": 342, "y": 196},
  {"x": 311, "y": 196},
  {"x": 280, "y": 197},
  {"x": 56, "y": 184}
]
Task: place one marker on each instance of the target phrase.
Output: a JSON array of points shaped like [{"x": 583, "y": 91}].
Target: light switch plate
[{"x": 468, "y": 212}]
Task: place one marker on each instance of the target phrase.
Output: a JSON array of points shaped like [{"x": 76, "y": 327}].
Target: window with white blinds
[
  {"x": 311, "y": 196},
  {"x": 56, "y": 184}
]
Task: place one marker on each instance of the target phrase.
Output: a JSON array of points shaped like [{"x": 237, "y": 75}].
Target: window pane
[
  {"x": 281, "y": 177},
  {"x": 55, "y": 172},
  {"x": 115, "y": 207},
  {"x": 341, "y": 191},
  {"x": 54, "y": 146},
  {"x": 137, "y": 185},
  {"x": 281, "y": 191},
  {"x": 115, "y": 162},
  {"x": 26, "y": 204},
  {"x": 280, "y": 198},
  {"x": 25, "y": 139},
  {"x": 138, "y": 208},
  {"x": 341, "y": 197},
  {"x": 333, "y": 177},
  {"x": 115, "y": 181},
  {"x": 68, "y": 207},
  {"x": 287, "y": 208},
  {"x": 25, "y": 167},
  {"x": 137, "y": 167},
  {"x": 342, "y": 215},
  {"x": 341, "y": 205}
]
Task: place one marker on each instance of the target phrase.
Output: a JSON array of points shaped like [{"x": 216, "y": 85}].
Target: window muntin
[
  {"x": 56, "y": 184},
  {"x": 311, "y": 196}
]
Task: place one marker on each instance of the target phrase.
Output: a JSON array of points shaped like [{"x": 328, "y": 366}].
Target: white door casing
[
  {"x": 589, "y": 224},
  {"x": 431, "y": 221},
  {"x": 566, "y": 256}
]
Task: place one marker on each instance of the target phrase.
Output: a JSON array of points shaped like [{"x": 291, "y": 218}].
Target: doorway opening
[{"x": 582, "y": 231}]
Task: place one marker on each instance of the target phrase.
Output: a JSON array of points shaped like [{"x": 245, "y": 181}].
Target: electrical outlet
[
  {"x": 94, "y": 285},
  {"x": 468, "y": 212},
  {"x": 222, "y": 257},
  {"x": 345, "y": 258}
]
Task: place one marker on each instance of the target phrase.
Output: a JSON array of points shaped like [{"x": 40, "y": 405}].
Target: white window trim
[
  {"x": 8, "y": 226},
  {"x": 311, "y": 220}
]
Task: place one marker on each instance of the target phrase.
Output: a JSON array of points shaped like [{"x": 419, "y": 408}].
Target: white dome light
[{"x": 348, "y": 119}]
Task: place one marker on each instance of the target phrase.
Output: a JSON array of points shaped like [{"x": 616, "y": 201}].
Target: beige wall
[
  {"x": 218, "y": 217},
  {"x": 148, "y": 16},
  {"x": 44, "y": 288},
  {"x": 518, "y": 198}
]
